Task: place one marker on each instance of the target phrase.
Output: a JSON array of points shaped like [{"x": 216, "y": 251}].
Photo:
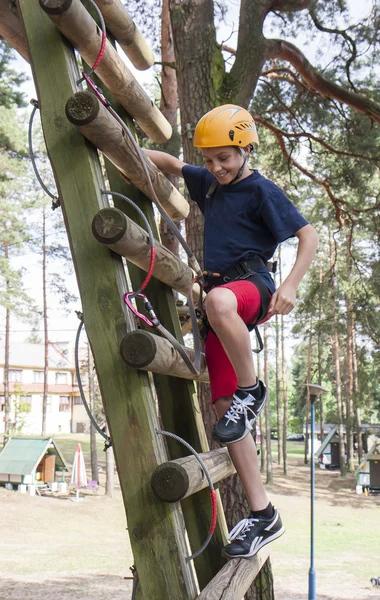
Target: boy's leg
[
  {"x": 230, "y": 363},
  {"x": 222, "y": 313},
  {"x": 244, "y": 456},
  {"x": 264, "y": 524},
  {"x": 229, "y": 358}
]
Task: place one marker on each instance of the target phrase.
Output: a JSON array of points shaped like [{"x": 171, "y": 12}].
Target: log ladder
[{"x": 144, "y": 383}]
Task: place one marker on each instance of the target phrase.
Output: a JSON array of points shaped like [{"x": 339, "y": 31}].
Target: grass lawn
[{"x": 56, "y": 549}]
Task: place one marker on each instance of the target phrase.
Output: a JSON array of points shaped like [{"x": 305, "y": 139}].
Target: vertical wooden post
[{"x": 155, "y": 528}]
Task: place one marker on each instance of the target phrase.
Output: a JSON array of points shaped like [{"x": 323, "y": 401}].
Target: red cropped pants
[{"x": 223, "y": 380}]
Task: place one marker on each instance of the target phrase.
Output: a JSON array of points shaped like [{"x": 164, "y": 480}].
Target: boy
[{"x": 246, "y": 217}]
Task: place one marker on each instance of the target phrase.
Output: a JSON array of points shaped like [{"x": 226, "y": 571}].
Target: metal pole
[{"x": 312, "y": 581}]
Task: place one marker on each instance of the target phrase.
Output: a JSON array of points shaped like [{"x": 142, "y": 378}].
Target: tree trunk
[
  {"x": 200, "y": 69},
  {"x": 349, "y": 363},
  {"x": 45, "y": 320},
  {"x": 278, "y": 392},
  {"x": 263, "y": 453},
  {"x": 169, "y": 108},
  {"x": 356, "y": 393},
  {"x": 319, "y": 352},
  {"x": 91, "y": 393},
  {"x": 269, "y": 463},
  {"x": 336, "y": 350},
  {"x": 7, "y": 400},
  {"x": 284, "y": 378}
]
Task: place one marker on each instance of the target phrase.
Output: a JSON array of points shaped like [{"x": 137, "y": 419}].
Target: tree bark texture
[
  {"x": 284, "y": 379},
  {"x": 203, "y": 84},
  {"x": 169, "y": 108},
  {"x": 278, "y": 392},
  {"x": 356, "y": 392},
  {"x": 349, "y": 361},
  {"x": 319, "y": 351},
  {"x": 336, "y": 352},
  {"x": 11, "y": 29},
  {"x": 269, "y": 462}
]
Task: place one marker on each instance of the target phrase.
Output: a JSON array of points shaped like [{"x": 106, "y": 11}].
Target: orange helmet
[{"x": 226, "y": 125}]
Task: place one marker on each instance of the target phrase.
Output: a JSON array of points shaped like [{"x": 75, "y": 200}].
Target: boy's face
[{"x": 224, "y": 162}]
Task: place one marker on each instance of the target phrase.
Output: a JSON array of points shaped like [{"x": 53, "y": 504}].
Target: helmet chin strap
[{"x": 240, "y": 171}]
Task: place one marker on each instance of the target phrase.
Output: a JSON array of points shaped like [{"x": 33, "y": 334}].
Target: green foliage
[{"x": 10, "y": 80}]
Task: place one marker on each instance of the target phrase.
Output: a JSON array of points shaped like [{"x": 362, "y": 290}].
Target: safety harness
[{"x": 243, "y": 270}]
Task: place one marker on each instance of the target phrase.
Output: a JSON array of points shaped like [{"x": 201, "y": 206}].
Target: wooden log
[
  {"x": 234, "y": 579},
  {"x": 78, "y": 26},
  {"x": 149, "y": 352},
  {"x": 11, "y": 29},
  {"x": 97, "y": 124},
  {"x": 118, "y": 232},
  {"x": 172, "y": 481},
  {"x": 125, "y": 31}
]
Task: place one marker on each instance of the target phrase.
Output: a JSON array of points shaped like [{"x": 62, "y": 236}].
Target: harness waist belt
[{"x": 243, "y": 268}]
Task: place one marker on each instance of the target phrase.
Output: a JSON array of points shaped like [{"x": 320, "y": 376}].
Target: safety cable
[
  {"x": 196, "y": 367},
  {"x": 55, "y": 199},
  {"x": 100, "y": 95},
  {"x": 108, "y": 442},
  {"x": 151, "y": 241},
  {"x": 129, "y": 296},
  {"x": 212, "y": 491},
  {"x": 135, "y": 581}
]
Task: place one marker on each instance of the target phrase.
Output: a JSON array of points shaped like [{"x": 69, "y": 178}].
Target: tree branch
[
  {"x": 286, "y": 74},
  {"x": 342, "y": 208},
  {"x": 286, "y": 51},
  {"x": 310, "y": 136},
  {"x": 343, "y": 33},
  {"x": 242, "y": 79},
  {"x": 289, "y": 5},
  {"x": 164, "y": 63}
]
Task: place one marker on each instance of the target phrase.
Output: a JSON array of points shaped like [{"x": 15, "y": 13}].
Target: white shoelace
[
  {"x": 239, "y": 407},
  {"x": 241, "y": 529}
]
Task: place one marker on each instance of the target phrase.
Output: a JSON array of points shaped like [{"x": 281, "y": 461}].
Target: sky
[{"x": 62, "y": 326}]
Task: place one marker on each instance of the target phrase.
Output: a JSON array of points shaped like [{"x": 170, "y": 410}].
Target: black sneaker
[
  {"x": 250, "y": 535},
  {"x": 238, "y": 421}
]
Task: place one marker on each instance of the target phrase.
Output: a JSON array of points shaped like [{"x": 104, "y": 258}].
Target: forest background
[{"x": 319, "y": 140}]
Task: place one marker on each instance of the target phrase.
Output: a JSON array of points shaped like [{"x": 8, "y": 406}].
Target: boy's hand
[{"x": 283, "y": 300}]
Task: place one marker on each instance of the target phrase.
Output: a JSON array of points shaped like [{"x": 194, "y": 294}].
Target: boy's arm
[
  {"x": 166, "y": 162},
  {"x": 284, "y": 299}
]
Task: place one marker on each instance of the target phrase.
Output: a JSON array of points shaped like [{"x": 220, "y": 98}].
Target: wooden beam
[
  {"x": 172, "y": 481},
  {"x": 119, "y": 233},
  {"x": 156, "y": 534},
  {"x": 97, "y": 124},
  {"x": 144, "y": 350},
  {"x": 78, "y": 26},
  {"x": 235, "y": 578},
  {"x": 11, "y": 29},
  {"x": 127, "y": 34}
]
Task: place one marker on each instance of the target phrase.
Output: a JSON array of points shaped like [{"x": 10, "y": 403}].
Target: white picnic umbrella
[{"x": 78, "y": 475}]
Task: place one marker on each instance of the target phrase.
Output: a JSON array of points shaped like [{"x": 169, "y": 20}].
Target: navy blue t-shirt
[{"x": 247, "y": 218}]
